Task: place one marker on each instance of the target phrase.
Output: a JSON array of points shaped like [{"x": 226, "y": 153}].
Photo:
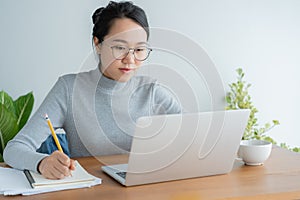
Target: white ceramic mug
[{"x": 254, "y": 152}]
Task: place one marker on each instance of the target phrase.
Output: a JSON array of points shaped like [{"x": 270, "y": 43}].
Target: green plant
[
  {"x": 13, "y": 116},
  {"x": 239, "y": 98},
  {"x": 295, "y": 149}
]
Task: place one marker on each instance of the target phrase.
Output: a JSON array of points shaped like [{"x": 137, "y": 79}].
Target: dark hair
[{"x": 104, "y": 17}]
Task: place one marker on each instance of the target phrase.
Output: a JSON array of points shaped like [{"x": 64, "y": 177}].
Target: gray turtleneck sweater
[{"x": 98, "y": 115}]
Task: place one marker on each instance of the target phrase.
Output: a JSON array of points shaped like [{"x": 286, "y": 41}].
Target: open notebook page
[{"x": 79, "y": 175}]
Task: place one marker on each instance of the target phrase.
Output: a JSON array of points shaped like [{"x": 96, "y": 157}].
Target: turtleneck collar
[{"x": 109, "y": 85}]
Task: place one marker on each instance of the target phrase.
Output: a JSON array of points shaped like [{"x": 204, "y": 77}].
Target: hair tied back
[{"x": 96, "y": 15}]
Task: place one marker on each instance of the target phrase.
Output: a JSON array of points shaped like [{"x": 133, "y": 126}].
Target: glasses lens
[
  {"x": 119, "y": 52},
  {"x": 141, "y": 53}
]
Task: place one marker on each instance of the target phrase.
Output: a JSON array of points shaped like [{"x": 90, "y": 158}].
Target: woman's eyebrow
[
  {"x": 125, "y": 42},
  {"x": 145, "y": 43},
  {"x": 122, "y": 41}
]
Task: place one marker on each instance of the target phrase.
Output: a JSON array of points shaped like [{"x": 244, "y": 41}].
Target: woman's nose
[{"x": 129, "y": 58}]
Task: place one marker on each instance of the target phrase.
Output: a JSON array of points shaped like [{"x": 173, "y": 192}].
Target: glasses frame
[{"x": 133, "y": 50}]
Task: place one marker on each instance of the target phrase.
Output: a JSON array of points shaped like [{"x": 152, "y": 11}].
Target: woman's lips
[{"x": 125, "y": 70}]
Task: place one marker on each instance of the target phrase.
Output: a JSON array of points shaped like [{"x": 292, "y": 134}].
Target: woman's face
[{"x": 124, "y": 33}]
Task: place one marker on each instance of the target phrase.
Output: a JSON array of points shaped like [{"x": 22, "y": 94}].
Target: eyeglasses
[{"x": 140, "y": 53}]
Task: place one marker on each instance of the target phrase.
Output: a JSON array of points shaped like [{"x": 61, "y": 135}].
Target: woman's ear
[{"x": 97, "y": 45}]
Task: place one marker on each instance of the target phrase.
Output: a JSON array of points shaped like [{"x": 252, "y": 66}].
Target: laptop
[{"x": 181, "y": 146}]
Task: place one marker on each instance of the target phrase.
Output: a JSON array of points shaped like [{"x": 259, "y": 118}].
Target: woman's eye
[
  {"x": 141, "y": 49},
  {"x": 120, "y": 48}
]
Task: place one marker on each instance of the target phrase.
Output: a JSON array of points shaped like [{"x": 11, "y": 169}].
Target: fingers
[
  {"x": 56, "y": 166},
  {"x": 72, "y": 165},
  {"x": 62, "y": 158}
]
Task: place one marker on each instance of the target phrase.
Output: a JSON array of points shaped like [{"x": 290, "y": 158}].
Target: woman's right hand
[{"x": 56, "y": 166}]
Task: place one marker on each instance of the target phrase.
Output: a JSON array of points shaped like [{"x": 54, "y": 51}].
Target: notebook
[
  {"x": 181, "y": 146},
  {"x": 28, "y": 182}
]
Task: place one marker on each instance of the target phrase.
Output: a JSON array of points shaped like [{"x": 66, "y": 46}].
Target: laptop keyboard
[{"x": 122, "y": 174}]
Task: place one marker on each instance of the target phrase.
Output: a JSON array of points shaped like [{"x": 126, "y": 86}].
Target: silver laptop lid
[{"x": 171, "y": 147}]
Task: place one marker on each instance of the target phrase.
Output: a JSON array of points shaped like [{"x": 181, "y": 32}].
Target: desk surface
[{"x": 277, "y": 179}]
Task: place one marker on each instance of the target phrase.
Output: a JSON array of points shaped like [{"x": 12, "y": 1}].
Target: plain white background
[{"x": 42, "y": 40}]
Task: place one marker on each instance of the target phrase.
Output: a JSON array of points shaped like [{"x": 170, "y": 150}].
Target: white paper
[
  {"x": 32, "y": 191},
  {"x": 14, "y": 182},
  {"x": 12, "y": 179}
]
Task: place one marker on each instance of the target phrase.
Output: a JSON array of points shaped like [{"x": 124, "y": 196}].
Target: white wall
[{"x": 42, "y": 39}]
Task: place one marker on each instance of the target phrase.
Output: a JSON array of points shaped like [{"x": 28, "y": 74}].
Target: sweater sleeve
[
  {"x": 20, "y": 152},
  {"x": 164, "y": 101}
]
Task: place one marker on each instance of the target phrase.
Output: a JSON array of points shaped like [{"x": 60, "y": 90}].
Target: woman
[{"x": 96, "y": 109}]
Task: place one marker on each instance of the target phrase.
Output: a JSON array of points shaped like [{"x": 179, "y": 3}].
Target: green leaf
[
  {"x": 239, "y": 71},
  {"x": 23, "y": 105},
  {"x": 267, "y": 125},
  {"x": 276, "y": 122},
  {"x": 296, "y": 149},
  {"x": 284, "y": 145},
  {"x": 228, "y": 99},
  {"x": 7, "y": 101},
  {"x": 8, "y": 126},
  {"x": 269, "y": 139}
]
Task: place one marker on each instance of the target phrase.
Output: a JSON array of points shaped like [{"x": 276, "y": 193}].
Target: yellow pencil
[{"x": 53, "y": 133}]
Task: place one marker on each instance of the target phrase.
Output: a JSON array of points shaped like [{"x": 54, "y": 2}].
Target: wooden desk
[{"x": 279, "y": 178}]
